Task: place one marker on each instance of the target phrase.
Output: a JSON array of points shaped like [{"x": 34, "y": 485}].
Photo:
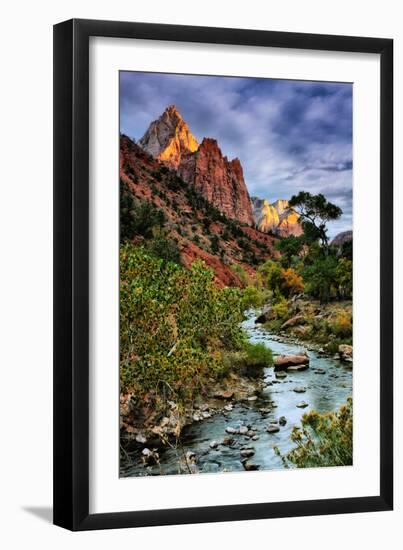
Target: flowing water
[{"x": 328, "y": 383}]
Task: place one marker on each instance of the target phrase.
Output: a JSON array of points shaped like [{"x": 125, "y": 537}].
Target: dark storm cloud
[{"x": 289, "y": 135}]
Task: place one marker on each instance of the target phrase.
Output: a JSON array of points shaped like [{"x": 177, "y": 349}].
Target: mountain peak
[
  {"x": 172, "y": 109},
  {"x": 168, "y": 138},
  {"x": 276, "y": 217}
]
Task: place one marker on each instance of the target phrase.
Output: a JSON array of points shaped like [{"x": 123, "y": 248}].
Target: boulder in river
[
  {"x": 345, "y": 352},
  {"x": 298, "y": 368},
  {"x": 249, "y": 466},
  {"x": 299, "y": 389},
  {"x": 149, "y": 456},
  {"x": 281, "y": 374},
  {"x": 266, "y": 315},
  {"x": 231, "y": 430},
  {"x": 302, "y": 405},
  {"x": 282, "y": 421},
  {"x": 284, "y": 362},
  {"x": 272, "y": 428},
  {"x": 214, "y": 444},
  {"x": 246, "y": 453}
]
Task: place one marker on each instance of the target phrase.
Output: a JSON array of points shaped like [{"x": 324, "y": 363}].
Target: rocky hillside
[
  {"x": 199, "y": 229},
  {"x": 276, "y": 218},
  {"x": 342, "y": 238},
  {"x": 213, "y": 175}
]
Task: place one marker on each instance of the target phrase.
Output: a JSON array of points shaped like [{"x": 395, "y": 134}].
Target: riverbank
[
  {"x": 259, "y": 415},
  {"x": 142, "y": 426},
  {"x": 325, "y": 328}
]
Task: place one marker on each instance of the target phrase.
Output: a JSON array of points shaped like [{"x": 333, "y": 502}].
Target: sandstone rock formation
[
  {"x": 276, "y": 217},
  {"x": 217, "y": 178},
  {"x": 292, "y": 362},
  {"x": 168, "y": 138}
]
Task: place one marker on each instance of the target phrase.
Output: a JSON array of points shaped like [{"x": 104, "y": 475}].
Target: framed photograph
[{"x": 222, "y": 274}]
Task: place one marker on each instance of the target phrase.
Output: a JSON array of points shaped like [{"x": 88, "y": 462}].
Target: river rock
[
  {"x": 228, "y": 407},
  {"x": 345, "y": 352},
  {"x": 231, "y": 430},
  {"x": 266, "y": 315},
  {"x": 264, "y": 410},
  {"x": 252, "y": 398},
  {"x": 298, "y": 368},
  {"x": 272, "y": 428},
  {"x": 190, "y": 456},
  {"x": 149, "y": 456},
  {"x": 281, "y": 374},
  {"x": 206, "y": 414},
  {"x": 302, "y": 405},
  {"x": 140, "y": 438},
  {"x": 319, "y": 371},
  {"x": 243, "y": 430},
  {"x": 299, "y": 389},
  {"x": 255, "y": 437},
  {"x": 284, "y": 362},
  {"x": 282, "y": 421},
  {"x": 246, "y": 453},
  {"x": 227, "y": 441},
  {"x": 214, "y": 444},
  {"x": 249, "y": 466}
]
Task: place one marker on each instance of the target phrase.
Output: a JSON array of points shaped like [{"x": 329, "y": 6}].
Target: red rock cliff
[{"x": 219, "y": 180}]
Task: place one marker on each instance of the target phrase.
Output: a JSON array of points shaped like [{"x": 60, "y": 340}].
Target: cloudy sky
[{"x": 289, "y": 135}]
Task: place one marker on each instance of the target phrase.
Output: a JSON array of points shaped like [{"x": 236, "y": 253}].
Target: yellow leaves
[{"x": 292, "y": 282}]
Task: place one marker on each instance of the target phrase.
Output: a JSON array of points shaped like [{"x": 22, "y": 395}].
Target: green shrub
[
  {"x": 252, "y": 297},
  {"x": 165, "y": 249},
  {"x": 258, "y": 355},
  {"x": 280, "y": 308},
  {"x": 174, "y": 323},
  {"x": 137, "y": 218}
]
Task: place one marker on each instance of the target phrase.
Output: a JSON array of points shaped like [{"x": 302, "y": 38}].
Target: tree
[
  {"x": 320, "y": 277},
  {"x": 344, "y": 277},
  {"x": 292, "y": 282},
  {"x": 289, "y": 247},
  {"x": 272, "y": 275},
  {"x": 314, "y": 212}
]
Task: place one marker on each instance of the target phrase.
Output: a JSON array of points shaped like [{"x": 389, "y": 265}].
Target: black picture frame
[{"x": 71, "y": 274}]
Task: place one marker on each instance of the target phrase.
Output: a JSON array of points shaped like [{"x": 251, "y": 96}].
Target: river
[{"x": 328, "y": 383}]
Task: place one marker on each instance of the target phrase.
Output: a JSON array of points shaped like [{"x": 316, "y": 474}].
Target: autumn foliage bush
[{"x": 323, "y": 439}]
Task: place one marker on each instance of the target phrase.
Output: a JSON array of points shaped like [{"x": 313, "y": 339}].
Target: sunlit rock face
[
  {"x": 289, "y": 224},
  {"x": 276, "y": 217},
  {"x": 265, "y": 215},
  {"x": 169, "y": 138},
  {"x": 218, "y": 179}
]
